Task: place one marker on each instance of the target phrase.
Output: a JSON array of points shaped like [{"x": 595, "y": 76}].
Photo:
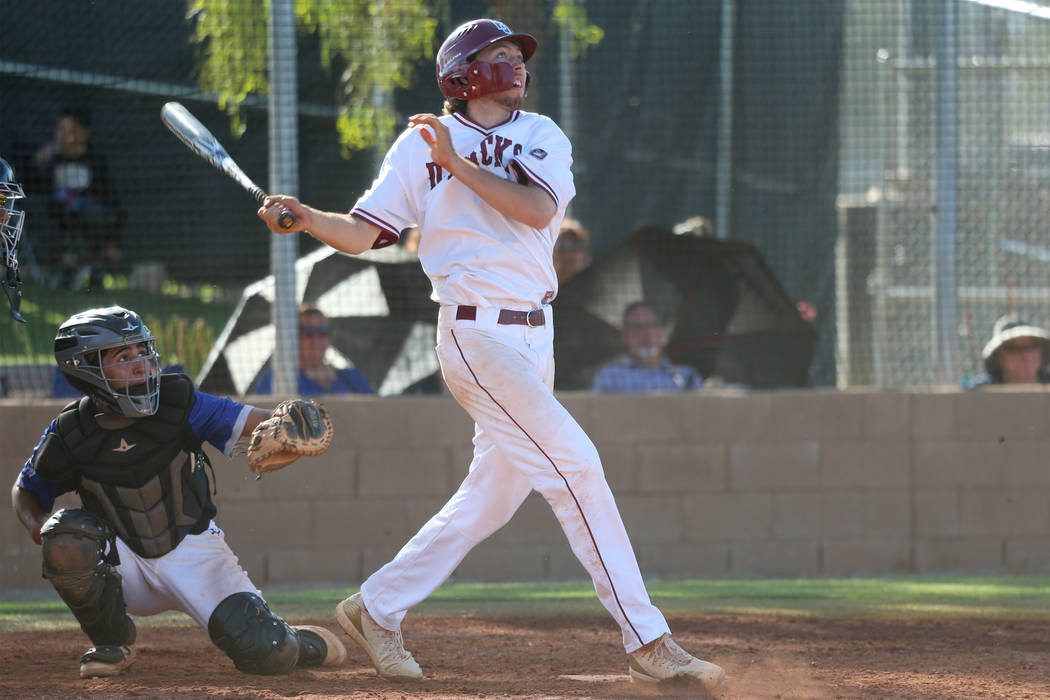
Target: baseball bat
[{"x": 199, "y": 140}]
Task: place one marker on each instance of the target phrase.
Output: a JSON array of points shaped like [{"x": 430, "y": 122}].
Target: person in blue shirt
[
  {"x": 316, "y": 376},
  {"x": 144, "y": 540},
  {"x": 644, "y": 367}
]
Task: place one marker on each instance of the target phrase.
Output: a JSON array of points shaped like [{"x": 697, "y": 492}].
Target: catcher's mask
[
  {"x": 460, "y": 77},
  {"x": 12, "y": 218},
  {"x": 80, "y": 344}
]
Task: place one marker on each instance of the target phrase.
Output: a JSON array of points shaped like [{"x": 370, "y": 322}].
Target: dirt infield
[{"x": 580, "y": 657}]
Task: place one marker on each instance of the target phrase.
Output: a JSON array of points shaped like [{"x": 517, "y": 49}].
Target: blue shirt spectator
[
  {"x": 626, "y": 376},
  {"x": 316, "y": 376},
  {"x": 347, "y": 381},
  {"x": 644, "y": 368}
]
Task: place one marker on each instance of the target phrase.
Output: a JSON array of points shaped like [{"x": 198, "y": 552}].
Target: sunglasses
[{"x": 323, "y": 331}]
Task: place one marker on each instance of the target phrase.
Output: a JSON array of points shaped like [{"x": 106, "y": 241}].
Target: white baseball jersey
[{"x": 473, "y": 254}]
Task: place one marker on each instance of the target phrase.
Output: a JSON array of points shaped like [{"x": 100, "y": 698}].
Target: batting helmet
[
  {"x": 460, "y": 77},
  {"x": 79, "y": 345},
  {"x": 11, "y": 215}
]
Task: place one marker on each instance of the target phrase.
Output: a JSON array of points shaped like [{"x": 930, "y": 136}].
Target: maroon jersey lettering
[
  {"x": 486, "y": 159},
  {"x": 501, "y": 145},
  {"x": 436, "y": 173}
]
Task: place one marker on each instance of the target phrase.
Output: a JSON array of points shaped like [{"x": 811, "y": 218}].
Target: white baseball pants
[
  {"x": 193, "y": 578},
  {"x": 503, "y": 375}
]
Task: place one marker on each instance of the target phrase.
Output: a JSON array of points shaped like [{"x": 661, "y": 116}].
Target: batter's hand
[
  {"x": 275, "y": 204},
  {"x": 438, "y": 137}
]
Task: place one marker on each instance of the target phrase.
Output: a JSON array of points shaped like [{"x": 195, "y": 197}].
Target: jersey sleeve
[
  {"x": 388, "y": 202},
  {"x": 546, "y": 161},
  {"x": 218, "y": 421},
  {"x": 46, "y": 490}
]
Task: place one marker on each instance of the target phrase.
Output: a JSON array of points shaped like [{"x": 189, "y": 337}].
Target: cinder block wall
[{"x": 792, "y": 483}]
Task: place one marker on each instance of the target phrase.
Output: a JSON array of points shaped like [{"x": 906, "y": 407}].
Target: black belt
[{"x": 507, "y": 317}]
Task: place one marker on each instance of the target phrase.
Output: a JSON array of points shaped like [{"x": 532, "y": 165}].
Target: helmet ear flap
[{"x": 481, "y": 78}]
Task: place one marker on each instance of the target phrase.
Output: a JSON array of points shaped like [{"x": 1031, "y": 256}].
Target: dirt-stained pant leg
[{"x": 502, "y": 375}]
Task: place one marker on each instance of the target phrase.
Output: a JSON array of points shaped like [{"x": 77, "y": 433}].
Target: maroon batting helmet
[{"x": 462, "y": 78}]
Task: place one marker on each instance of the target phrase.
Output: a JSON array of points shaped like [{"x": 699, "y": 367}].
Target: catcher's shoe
[
  {"x": 386, "y": 649},
  {"x": 319, "y": 647},
  {"x": 106, "y": 660},
  {"x": 664, "y": 660}
]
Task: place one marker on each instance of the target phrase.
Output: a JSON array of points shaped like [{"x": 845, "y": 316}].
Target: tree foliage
[
  {"x": 375, "y": 45},
  {"x": 570, "y": 17}
]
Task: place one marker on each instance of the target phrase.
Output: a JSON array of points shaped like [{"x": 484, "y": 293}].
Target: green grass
[
  {"x": 1005, "y": 597},
  {"x": 45, "y": 309}
]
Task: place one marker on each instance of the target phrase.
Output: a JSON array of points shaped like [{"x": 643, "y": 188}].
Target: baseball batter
[
  {"x": 144, "y": 540},
  {"x": 488, "y": 184}
]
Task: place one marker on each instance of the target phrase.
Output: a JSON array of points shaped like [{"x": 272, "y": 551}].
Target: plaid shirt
[{"x": 625, "y": 376}]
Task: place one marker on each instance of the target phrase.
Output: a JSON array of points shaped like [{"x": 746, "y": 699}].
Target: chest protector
[{"x": 147, "y": 478}]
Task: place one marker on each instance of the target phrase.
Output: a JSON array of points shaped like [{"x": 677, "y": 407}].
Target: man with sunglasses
[{"x": 317, "y": 376}]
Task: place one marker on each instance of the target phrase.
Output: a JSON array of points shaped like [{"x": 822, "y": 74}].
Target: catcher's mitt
[{"x": 297, "y": 427}]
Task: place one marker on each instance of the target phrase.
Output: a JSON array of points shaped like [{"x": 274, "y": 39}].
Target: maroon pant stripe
[{"x": 559, "y": 473}]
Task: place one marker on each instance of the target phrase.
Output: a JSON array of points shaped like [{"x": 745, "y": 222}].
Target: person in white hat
[{"x": 1017, "y": 354}]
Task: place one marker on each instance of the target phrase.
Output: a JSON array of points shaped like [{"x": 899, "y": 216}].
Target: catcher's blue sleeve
[
  {"x": 218, "y": 421},
  {"x": 45, "y": 491}
]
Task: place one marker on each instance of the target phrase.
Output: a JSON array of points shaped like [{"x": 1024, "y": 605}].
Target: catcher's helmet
[
  {"x": 11, "y": 214},
  {"x": 79, "y": 345},
  {"x": 462, "y": 78}
]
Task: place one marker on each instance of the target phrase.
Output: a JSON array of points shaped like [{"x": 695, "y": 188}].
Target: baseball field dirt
[{"x": 579, "y": 656}]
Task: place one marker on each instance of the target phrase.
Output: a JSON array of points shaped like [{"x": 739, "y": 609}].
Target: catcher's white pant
[
  {"x": 524, "y": 439},
  {"x": 193, "y": 578}
]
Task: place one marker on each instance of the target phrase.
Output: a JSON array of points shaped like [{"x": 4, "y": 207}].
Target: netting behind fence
[{"x": 813, "y": 133}]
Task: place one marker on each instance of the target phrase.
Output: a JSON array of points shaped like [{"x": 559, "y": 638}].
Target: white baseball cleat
[
  {"x": 665, "y": 660},
  {"x": 386, "y": 649}
]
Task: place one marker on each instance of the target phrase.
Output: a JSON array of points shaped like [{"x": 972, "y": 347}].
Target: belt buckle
[{"x": 528, "y": 319}]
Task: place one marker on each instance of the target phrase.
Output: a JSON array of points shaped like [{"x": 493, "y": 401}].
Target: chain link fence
[
  {"x": 889, "y": 256},
  {"x": 827, "y": 135}
]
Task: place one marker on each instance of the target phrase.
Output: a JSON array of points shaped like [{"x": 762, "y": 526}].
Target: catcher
[{"x": 144, "y": 540}]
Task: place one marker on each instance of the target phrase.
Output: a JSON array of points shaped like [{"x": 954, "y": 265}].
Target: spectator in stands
[
  {"x": 317, "y": 377},
  {"x": 81, "y": 202},
  {"x": 571, "y": 250},
  {"x": 1018, "y": 353},
  {"x": 645, "y": 367}
]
